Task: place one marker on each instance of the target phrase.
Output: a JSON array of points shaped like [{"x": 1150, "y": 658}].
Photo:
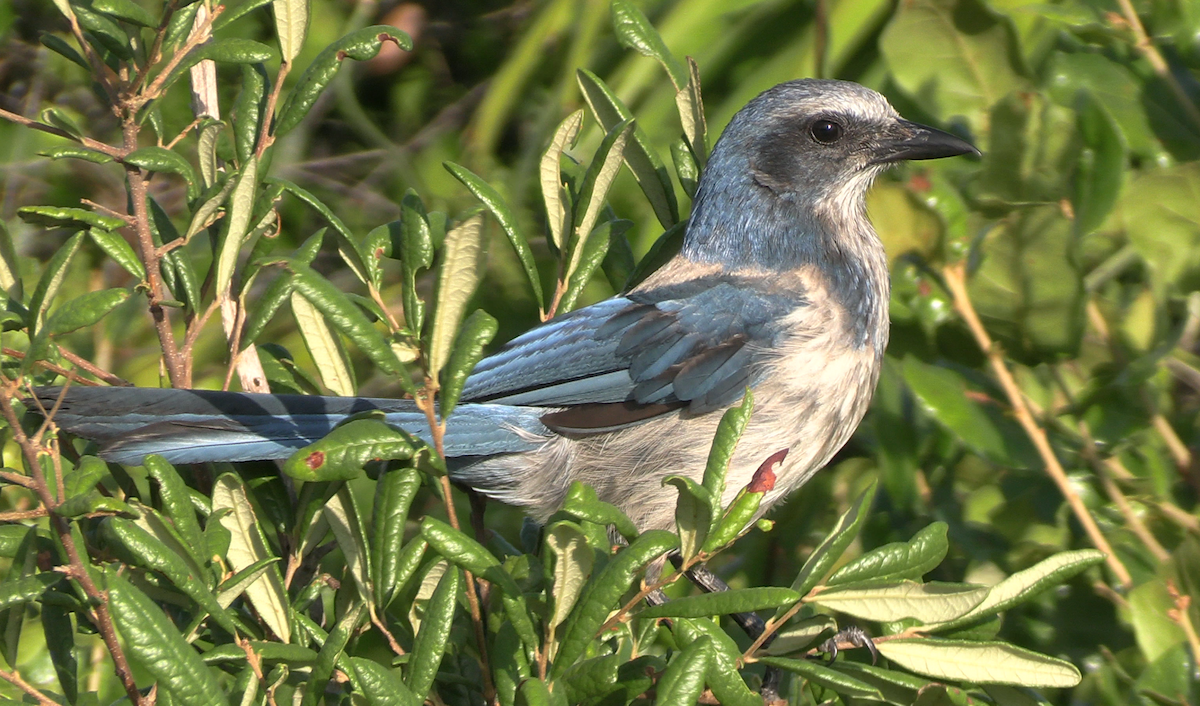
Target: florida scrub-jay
[{"x": 781, "y": 286}]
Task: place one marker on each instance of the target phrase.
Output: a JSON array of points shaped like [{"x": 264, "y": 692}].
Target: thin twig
[
  {"x": 114, "y": 152},
  {"x": 955, "y": 277},
  {"x": 267, "y": 135},
  {"x": 101, "y": 207},
  {"x": 16, "y": 479},
  {"x": 425, "y": 403},
  {"x": 19, "y": 515},
  {"x": 15, "y": 679},
  {"x": 92, "y": 369},
  {"x": 1146, "y": 46},
  {"x": 198, "y": 37},
  {"x": 47, "y": 365},
  {"x": 1182, "y": 616}
]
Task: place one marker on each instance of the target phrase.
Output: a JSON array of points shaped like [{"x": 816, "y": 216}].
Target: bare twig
[
  {"x": 115, "y": 152},
  {"x": 1182, "y": 616},
  {"x": 47, "y": 365},
  {"x": 15, "y": 679},
  {"x": 1146, "y": 46},
  {"x": 20, "y": 515},
  {"x": 92, "y": 369},
  {"x": 955, "y": 277},
  {"x": 267, "y": 135}
]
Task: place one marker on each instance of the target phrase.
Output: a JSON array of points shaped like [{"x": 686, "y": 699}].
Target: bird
[{"x": 781, "y": 287}]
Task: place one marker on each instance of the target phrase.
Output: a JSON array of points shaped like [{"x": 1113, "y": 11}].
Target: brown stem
[
  {"x": 15, "y": 679},
  {"x": 92, "y": 369},
  {"x": 195, "y": 39},
  {"x": 46, "y": 365},
  {"x": 424, "y": 401},
  {"x": 266, "y": 136},
  {"x": 88, "y": 142},
  {"x": 646, "y": 589},
  {"x": 955, "y": 277},
  {"x": 177, "y": 369},
  {"x": 1182, "y": 616},
  {"x": 1146, "y": 46},
  {"x": 16, "y": 479},
  {"x": 19, "y": 515}
]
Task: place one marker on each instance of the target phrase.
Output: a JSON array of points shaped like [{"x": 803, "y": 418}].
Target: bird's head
[{"x": 798, "y": 158}]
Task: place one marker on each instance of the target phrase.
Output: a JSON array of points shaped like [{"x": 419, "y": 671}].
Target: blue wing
[{"x": 696, "y": 345}]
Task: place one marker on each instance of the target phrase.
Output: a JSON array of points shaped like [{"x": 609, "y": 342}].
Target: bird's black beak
[{"x": 915, "y": 141}]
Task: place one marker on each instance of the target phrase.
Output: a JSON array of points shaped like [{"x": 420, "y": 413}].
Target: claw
[{"x": 852, "y": 635}]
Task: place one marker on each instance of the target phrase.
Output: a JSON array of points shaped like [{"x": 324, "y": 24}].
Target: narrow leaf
[
  {"x": 980, "y": 662},
  {"x": 247, "y": 545},
  {"x": 291, "y": 24},
  {"x": 550, "y": 172},
  {"x": 325, "y": 350},
  {"x": 461, "y": 264},
  {"x": 927, "y": 603},
  {"x": 430, "y": 643},
  {"x": 477, "y": 331},
  {"x": 745, "y": 600},
  {"x": 601, "y": 174}
]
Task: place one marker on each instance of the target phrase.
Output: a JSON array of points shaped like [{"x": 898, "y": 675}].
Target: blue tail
[{"x": 197, "y": 426}]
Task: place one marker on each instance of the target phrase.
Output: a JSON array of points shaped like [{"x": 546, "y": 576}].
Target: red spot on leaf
[
  {"x": 920, "y": 183},
  {"x": 341, "y": 56},
  {"x": 315, "y": 460},
  {"x": 764, "y": 477},
  {"x": 378, "y": 253}
]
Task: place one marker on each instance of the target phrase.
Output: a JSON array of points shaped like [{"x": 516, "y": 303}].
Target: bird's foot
[{"x": 852, "y": 636}]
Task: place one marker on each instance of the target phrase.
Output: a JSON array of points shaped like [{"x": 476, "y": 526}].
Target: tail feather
[{"x": 197, "y": 426}]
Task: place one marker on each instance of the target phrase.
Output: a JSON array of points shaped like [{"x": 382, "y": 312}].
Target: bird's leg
[
  {"x": 750, "y": 623},
  {"x": 852, "y": 635}
]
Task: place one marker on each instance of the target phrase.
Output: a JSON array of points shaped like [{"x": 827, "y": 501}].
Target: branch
[
  {"x": 1144, "y": 44},
  {"x": 956, "y": 282},
  {"x": 16, "y": 680},
  {"x": 114, "y": 152}
]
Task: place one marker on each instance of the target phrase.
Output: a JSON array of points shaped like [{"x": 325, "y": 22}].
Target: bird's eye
[{"x": 826, "y": 132}]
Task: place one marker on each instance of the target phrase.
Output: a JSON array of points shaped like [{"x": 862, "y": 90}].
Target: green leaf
[
  {"x": 248, "y": 109},
  {"x": 70, "y": 218},
  {"x": 60, "y": 47},
  {"x": 233, "y": 587},
  {"x": 280, "y": 290},
  {"x": 381, "y": 685},
  {"x": 825, "y": 677},
  {"x": 599, "y": 179},
  {"x": 104, "y": 34},
  {"x": 604, "y": 591},
  {"x": 550, "y": 172},
  {"x": 949, "y": 70},
  {"x": 394, "y": 493},
  {"x": 291, "y": 24},
  {"x": 496, "y": 203},
  {"x": 341, "y": 512},
  {"x": 247, "y": 545},
  {"x": 119, "y": 250},
  {"x": 1101, "y": 167},
  {"x": 416, "y": 254},
  {"x": 472, "y": 556},
  {"x": 798, "y": 635},
  {"x": 161, "y": 159},
  {"x": 462, "y": 260},
  {"x": 744, "y": 507},
  {"x": 237, "y": 224},
  {"x": 344, "y": 451},
  {"x": 898, "y": 560},
  {"x": 594, "y": 249},
  {"x": 722, "y": 678},
  {"x": 347, "y": 247},
  {"x": 683, "y": 682},
  {"x": 1026, "y": 584},
  {"x": 979, "y": 662},
  {"x": 331, "y": 655},
  {"x": 345, "y": 316},
  {"x": 640, "y": 156},
  {"x": 477, "y": 331},
  {"x": 236, "y": 12},
  {"x": 137, "y": 547},
  {"x": 325, "y": 349},
  {"x": 15, "y": 592},
  {"x": 85, "y": 310},
  {"x": 10, "y": 271},
  {"x": 986, "y": 430},
  {"x": 830, "y": 549},
  {"x": 573, "y": 563},
  {"x": 359, "y": 45},
  {"x": 744, "y": 600},
  {"x": 430, "y": 643},
  {"x": 230, "y": 50},
  {"x": 50, "y": 281},
  {"x": 889, "y": 602},
  {"x": 686, "y": 167},
  {"x": 694, "y": 513},
  {"x": 155, "y": 643},
  {"x": 582, "y": 503},
  {"x": 60, "y": 643},
  {"x": 691, "y": 113},
  {"x": 126, "y": 10},
  {"x": 635, "y": 31},
  {"x": 73, "y": 152},
  {"x": 1164, "y": 230}
]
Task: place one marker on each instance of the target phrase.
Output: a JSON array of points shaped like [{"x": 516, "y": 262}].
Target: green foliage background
[{"x": 1079, "y": 230}]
